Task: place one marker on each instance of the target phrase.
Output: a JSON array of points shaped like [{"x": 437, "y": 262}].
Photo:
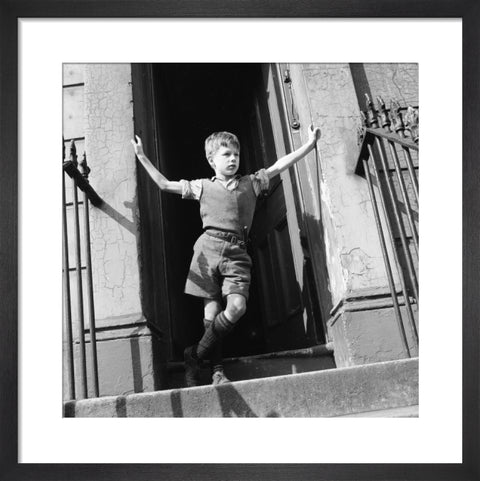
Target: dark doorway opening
[
  {"x": 192, "y": 101},
  {"x": 189, "y": 102}
]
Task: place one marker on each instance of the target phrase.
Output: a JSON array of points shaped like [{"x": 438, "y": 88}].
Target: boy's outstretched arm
[
  {"x": 288, "y": 160},
  {"x": 162, "y": 182}
]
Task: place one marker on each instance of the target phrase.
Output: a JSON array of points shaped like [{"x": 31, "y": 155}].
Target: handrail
[
  {"x": 369, "y": 135},
  {"x": 83, "y": 184},
  {"x": 405, "y": 142}
]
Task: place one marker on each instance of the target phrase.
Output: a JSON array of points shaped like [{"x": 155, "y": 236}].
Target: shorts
[{"x": 218, "y": 268}]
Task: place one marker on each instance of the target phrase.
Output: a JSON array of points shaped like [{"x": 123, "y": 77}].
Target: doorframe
[
  {"x": 153, "y": 266},
  {"x": 280, "y": 138},
  {"x": 300, "y": 234}
]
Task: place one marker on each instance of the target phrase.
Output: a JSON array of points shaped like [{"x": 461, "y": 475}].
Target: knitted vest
[{"x": 228, "y": 210}]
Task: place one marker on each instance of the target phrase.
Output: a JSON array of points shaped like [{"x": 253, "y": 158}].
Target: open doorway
[{"x": 190, "y": 101}]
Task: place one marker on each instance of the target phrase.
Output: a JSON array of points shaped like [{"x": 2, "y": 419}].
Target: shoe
[
  {"x": 192, "y": 367},
  {"x": 219, "y": 378}
]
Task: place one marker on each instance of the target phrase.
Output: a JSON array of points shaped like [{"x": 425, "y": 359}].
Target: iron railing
[
  {"x": 388, "y": 161},
  {"x": 78, "y": 174}
]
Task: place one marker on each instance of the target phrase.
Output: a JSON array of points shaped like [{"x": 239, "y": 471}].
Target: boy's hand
[
  {"x": 314, "y": 134},
  {"x": 137, "y": 146}
]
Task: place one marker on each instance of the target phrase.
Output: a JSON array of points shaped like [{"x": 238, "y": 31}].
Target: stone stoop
[
  {"x": 281, "y": 363},
  {"x": 381, "y": 389}
]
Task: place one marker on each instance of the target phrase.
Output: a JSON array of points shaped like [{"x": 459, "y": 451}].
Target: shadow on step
[{"x": 232, "y": 404}]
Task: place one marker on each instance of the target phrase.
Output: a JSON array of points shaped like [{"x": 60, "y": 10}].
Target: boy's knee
[
  {"x": 236, "y": 306},
  {"x": 211, "y": 309}
]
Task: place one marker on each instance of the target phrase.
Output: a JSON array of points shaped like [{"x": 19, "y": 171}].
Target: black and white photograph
[
  {"x": 241, "y": 240},
  {"x": 224, "y": 281}
]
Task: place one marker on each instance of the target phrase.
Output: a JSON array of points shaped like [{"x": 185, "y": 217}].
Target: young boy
[{"x": 220, "y": 267}]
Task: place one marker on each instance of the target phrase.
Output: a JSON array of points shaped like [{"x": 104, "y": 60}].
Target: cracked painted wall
[
  {"x": 328, "y": 95},
  {"x": 353, "y": 253},
  {"x": 114, "y": 227},
  {"x": 393, "y": 81}
]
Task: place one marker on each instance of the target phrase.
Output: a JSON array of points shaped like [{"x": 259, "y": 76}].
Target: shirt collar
[{"x": 237, "y": 177}]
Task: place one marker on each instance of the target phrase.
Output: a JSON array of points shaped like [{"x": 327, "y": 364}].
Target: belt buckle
[{"x": 233, "y": 239}]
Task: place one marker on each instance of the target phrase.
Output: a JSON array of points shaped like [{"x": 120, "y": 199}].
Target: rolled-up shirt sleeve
[
  {"x": 260, "y": 182},
  {"x": 191, "y": 189}
]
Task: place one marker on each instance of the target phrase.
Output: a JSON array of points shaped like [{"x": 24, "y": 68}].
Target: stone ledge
[
  {"x": 403, "y": 412},
  {"x": 329, "y": 393}
]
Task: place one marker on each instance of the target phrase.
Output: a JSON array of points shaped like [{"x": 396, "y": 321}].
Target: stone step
[
  {"x": 281, "y": 363},
  {"x": 333, "y": 392}
]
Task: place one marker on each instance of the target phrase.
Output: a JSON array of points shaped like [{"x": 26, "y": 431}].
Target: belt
[{"x": 227, "y": 236}]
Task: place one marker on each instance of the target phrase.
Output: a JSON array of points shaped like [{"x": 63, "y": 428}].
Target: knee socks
[
  {"x": 216, "y": 352},
  {"x": 217, "y": 329}
]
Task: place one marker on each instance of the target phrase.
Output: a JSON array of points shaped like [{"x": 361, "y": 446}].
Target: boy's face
[{"x": 225, "y": 161}]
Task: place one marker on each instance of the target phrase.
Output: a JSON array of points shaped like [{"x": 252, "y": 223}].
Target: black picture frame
[{"x": 467, "y": 10}]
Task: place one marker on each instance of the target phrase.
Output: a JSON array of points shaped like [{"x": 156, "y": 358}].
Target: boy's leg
[
  {"x": 222, "y": 324},
  {"x": 211, "y": 309},
  {"x": 235, "y": 273}
]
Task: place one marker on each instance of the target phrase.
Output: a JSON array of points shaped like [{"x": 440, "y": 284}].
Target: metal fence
[
  {"x": 388, "y": 161},
  {"x": 76, "y": 174}
]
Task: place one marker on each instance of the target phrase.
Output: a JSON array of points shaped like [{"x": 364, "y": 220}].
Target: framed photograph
[{"x": 163, "y": 71}]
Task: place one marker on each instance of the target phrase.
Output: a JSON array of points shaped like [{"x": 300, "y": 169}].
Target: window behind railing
[
  {"x": 388, "y": 161},
  {"x": 79, "y": 274}
]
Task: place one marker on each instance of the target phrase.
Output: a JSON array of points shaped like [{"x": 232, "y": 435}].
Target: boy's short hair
[{"x": 220, "y": 139}]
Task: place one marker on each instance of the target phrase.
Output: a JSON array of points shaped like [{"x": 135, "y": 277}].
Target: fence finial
[
  {"x": 384, "y": 119},
  {"x": 371, "y": 114},
  {"x": 83, "y": 167},
  {"x": 73, "y": 153},
  {"x": 411, "y": 122},
  {"x": 363, "y": 118},
  {"x": 398, "y": 125}
]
